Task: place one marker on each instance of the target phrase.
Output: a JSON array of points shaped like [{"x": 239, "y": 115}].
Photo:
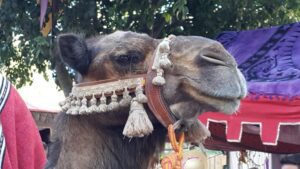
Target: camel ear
[{"x": 74, "y": 52}]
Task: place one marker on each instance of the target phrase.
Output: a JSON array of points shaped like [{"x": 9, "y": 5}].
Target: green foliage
[{"x": 23, "y": 50}]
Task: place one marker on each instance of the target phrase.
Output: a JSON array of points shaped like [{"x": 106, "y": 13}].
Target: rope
[{"x": 174, "y": 160}]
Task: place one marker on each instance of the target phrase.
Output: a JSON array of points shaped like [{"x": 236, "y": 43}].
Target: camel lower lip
[
  {"x": 194, "y": 84},
  {"x": 218, "y": 104},
  {"x": 192, "y": 87}
]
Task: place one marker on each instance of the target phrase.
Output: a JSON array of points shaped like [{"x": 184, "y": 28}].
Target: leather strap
[{"x": 156, "y": 101}]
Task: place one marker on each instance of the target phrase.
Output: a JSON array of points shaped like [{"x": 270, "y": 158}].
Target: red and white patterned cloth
[
  {"x": 260, "y": 124},
  {"x": 20, "y": 143}
]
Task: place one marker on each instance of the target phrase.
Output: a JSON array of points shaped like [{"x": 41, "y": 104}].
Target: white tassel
[
  {"x": 93, "y": 108},
  {"x": 165, "y": 62},
  {"x": 62, "y": 103},
  {"x": 83, "y": 109},
  {"x": 76, "y": 107},
  {"x": 140, "y": 96},
  {"x": 162, "y": 49},
  {"x": 138, "y": 123},
  {"x": 164, "y": 46},
  {"x": 159, "y": 80},
  {"x": 102, "y": 107},
  {"x": 72, "y": 106},
  {"x": 161, "y": 61},
  {"x": 126, "y": 98},
  {"x": 65, "y": 105},
  {"x": 113, "y": 105}
]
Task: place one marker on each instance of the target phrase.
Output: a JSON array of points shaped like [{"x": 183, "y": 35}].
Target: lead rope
[{"x": 174, "y": 160}]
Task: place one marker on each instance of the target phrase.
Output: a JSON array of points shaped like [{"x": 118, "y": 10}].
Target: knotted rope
[{"x": 174, "y": 160}]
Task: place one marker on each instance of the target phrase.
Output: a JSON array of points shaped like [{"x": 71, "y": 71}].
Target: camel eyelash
[{"x": 128, "y": 59}]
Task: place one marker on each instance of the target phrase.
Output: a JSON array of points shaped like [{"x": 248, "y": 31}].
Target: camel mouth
[{"x": 213, "y": 102}]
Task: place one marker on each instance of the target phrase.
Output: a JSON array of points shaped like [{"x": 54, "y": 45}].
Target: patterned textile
[
  {"x": 269, "y": 58},
  {"x": 269, "y": 116},
  {"x": 4, "y": 92},
  {"x": 20, "y": 143}
]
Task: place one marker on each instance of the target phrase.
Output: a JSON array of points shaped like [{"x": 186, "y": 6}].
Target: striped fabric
[{"x": 4, "y": 93}]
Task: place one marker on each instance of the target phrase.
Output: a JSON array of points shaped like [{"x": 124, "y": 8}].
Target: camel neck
[{"x": 105, "y": 147}]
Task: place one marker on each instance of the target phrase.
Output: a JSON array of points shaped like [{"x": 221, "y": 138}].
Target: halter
[
  {"x": 155, "y": 81},
  {"x": 109, "y": 95}
]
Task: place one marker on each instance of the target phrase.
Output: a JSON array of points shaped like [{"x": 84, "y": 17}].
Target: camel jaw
[{"x": 227, "y": 105}]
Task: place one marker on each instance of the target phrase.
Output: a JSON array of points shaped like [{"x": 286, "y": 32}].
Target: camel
[{"x": 200, "y": 76}]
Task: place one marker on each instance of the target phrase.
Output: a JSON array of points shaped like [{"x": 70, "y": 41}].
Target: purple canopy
[{"x": 269, "y": 58}]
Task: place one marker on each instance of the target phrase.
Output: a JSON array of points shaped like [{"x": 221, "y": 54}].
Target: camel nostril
[
  {"x": 216, "y": 54},
  {"x": 213, "y": 59}
]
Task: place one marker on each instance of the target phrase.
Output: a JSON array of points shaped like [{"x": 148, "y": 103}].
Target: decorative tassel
[
  {"x": 140, "y": 96},
  {"x": 164, "y": 46},
  {"x": 72, "y": 106},
  {"x": 102, "y": 107},
  {"x": 126, "y": 98},
  {"x": 138, "y": 123},
  {"x": 93, "y": 108},
  {"x": 161, "y": 61},
  {"x": 159, "y": 80},
  {"x": 62, "y": 103},
  {"x": 65, "y": 105},
  {"x": 113, "y": 105},
  {"x": 165, "y": 62},
  {"x": 76, "y": 107},
  {"x": 83, "y": 109}
]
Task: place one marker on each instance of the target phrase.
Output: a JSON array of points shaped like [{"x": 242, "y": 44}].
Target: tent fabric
[
  {"x": 248, "y": 142},
  {"x": 248, "y": 130},
  {"x": 269, "y": 58}
]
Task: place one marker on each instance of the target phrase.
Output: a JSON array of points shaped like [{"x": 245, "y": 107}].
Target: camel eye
[{"x": 124, "y": 60}]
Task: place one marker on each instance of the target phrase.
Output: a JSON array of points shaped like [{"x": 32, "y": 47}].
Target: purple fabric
[
  {"x": 44, "y": 5},
  {"x": 269, "y": 58}
]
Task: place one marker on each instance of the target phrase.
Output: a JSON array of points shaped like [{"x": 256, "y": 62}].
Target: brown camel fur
[{"x": 203, "y": 77}]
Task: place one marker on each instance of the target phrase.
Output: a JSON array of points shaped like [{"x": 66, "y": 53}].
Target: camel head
[{"x": 203, "y": 75}]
